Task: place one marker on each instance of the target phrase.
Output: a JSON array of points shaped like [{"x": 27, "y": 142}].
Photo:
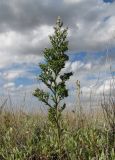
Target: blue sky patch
[
  {"x": 109, "y": 1},
  {"x": 77, "y": 56},
  {"x": 23, "y": 81}
]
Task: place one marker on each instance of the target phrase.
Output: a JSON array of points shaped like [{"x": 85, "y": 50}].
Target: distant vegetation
[{"x": 60, "y": 135}]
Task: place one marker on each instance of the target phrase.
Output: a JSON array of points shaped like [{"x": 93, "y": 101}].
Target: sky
[{"x": 24, "y": 29}]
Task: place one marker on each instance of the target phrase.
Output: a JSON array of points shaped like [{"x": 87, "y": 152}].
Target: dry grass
[{"x": 30, "y": 137}]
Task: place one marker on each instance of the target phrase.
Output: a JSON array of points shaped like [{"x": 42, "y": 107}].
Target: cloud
[
  {"x": 10, "y": 89},
  {"x": 13, "y": 74},
  {"x": 15, "y": 47},
  {"x": 9, "y": 85},
  {"x": 19, "y": 43},
  {"x": 72, "y": 1},
  {"x": 107, "y": 86},
  {"x": 26, "y": 24},
  {"x": 9, "y": 59}
]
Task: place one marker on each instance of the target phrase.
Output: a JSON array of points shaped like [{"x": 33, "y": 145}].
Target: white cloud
[
  {"x": 77, "y": 65},
  {"x": 94, "y": 26},
  {"x": 105, "y": 31},
  {"x": 9, "y": 85},
  {"x": 9, "y": 58},
  {"x": 10, "y": 88},
  {"x": 18, "y": 43},
  {"x": 21, "y": 48},
  {"x": 107, "y": 86},
  {"x": 72, "y": 1},
  {"x": 88, "y": 66},
  {"x": 13, "y": 74}
]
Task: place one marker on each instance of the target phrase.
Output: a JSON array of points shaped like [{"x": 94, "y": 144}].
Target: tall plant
[{"x": 52, "y": 76}]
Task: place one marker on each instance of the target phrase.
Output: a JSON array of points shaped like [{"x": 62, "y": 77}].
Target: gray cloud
[
  {"x": 91, "y": 23},
  {"x": 26, "y": 15}
]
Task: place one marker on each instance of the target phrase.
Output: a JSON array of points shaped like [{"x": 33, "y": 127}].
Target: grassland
[{"x": 31, "y": 136}]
